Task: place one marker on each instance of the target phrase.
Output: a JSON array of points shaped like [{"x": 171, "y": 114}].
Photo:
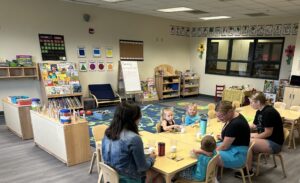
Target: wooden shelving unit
[
  {"x": 190, "y": 85},
  {"x": 71, "y": 100},
  {"x": 167, "y": 86},
  {"x": 18, "y": 72}
]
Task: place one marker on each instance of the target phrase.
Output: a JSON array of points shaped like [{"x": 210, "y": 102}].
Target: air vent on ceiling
[
  {"x": 256, "y": 14},
  {"x": 196, "y": 12}
]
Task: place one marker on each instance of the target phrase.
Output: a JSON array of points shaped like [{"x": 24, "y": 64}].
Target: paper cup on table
[{"x": 173, "y": 149}]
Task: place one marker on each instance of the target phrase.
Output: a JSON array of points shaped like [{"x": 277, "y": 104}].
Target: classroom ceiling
[{"x": 237, "y": 9}]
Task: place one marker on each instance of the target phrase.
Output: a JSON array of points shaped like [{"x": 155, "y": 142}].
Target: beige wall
[
  {"x": 22, "y": 21},
  {"x": 209, "y": 81}
]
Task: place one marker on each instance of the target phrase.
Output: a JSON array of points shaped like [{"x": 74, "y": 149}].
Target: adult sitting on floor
[{"x": 235, "y": 136}]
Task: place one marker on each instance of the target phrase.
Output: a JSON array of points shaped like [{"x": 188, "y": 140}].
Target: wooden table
[
  {"x": 164, "y": 165},
  {"x": 235, "y": 94},
  {"x": 17, "y": 119},
  {"x": 69, "y": 143}
]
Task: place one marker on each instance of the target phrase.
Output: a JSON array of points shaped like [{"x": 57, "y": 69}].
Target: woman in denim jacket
[{"x": 122, "y": 147}]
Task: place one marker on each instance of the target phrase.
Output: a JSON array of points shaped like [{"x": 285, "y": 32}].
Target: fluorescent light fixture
[
  {"x": 113, "y": 1},
  {"x": 214, "y": 18},
  {"x": 169, "y": 10}
]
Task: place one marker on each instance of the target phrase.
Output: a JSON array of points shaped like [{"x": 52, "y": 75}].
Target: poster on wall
[
  {"x": 52, "y": 47},
  {"x": 109, "y": 66},
  {"x": 294, "y": 29},
  {"x": 268, "y": 30},
  {"x": 286, "y": 29},
  {"x": 92, "y": 66},
  {"x": 260, "y": 30},
  {"x": 101, "y": 66},
  {"x": 194, "y": 32},
  {"x": 277, "y": 30},
  {"x": 252, "y": 30},
  {"x": 82, "y": 66},
  {"x": 96, "y": 52},
  {"x": 245, "y": 30},
  {"x": 81, "y": 52},
  {"x": 109, "y": 52}
]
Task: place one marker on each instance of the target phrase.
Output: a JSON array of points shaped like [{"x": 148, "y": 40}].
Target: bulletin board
[
  {"x": 131, "y": 50},
  {"x": 52, "y": 47}
]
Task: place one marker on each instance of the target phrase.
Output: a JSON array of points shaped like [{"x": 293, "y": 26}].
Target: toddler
[
  {"x": 192, "y": 116},
  {"x": 167, "y": 120},
  {"x": 204, "y": 155}
]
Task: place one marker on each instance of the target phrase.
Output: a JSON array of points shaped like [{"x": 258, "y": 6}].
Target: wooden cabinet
[
  {"x": 17, "y": 119},
  {"x": 189, "y": 85},
  {"x": 167, "y": 86},
  {"x": 18, "y": 72},
  {"x": 291, "y": 96},
  {"x": 67, "y": 142}
]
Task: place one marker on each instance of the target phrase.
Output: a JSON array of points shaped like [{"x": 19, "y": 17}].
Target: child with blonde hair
[
  {"x": 191, "y": 116},
  {"x": 167, "y": 120},
  {"x": 203, "y": 155}
]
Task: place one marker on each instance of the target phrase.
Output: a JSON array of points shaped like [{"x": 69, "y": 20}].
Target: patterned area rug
[{"x": 150, "y": 116}]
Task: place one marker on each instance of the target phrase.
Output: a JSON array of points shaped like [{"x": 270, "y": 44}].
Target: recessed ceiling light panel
[
  {"x": 177, "y": 9},
  {"x": 114, "y": 1},
  {"x": 214, "y": 18}
]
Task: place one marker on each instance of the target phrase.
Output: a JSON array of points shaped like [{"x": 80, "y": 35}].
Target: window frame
[{"x": 251, "y": 60}]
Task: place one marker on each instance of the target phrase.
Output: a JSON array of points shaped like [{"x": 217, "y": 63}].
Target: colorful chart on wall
[
  {"x": 82, "y": 66},
  {"x": 52, "y": 47},
  {"x": 101, "y": 66},
  {"x": 109, "y": 52},
  {"x": 110, "y": 66},
  {"x": 92, "y": 66}
]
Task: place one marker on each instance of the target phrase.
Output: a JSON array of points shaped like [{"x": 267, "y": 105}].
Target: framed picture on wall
[
  {"x": 277, "y": 30},
  {"x": 268, "y": 30},
  {"x": 294, "y": 29},
  {"x": 252, "y": 30},
  {"x": 96, "y": 52},
  {"x": 245, "y": 30},
  {"x": 286, "y": 29},
  {"x": 81, "y": 52},
  {"x": 260, "y": 30}
]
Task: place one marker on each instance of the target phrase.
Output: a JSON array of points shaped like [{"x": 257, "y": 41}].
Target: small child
[
  {"x": 204, "y": 155},
  {"x": 167, "y": 120},
  {"x": 192, "y": 116}
]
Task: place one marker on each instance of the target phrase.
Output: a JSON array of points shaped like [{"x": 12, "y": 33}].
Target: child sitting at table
[
  {"x": 167, "y": 120},
  {"x": 204, "y": 155},
  {"x": 191, "y": 116}
]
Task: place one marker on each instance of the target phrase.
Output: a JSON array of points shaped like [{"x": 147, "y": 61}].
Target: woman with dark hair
[
  {"x": 235, "y": 136},
  {"x": 122, "y": 147}
]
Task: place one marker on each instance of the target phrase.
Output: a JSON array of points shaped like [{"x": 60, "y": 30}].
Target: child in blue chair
[
  {"x": 204, "y": 155},
  {"x": 191, "y": 116}
]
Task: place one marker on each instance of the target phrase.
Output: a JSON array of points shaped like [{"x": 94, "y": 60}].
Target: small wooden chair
[
  {"x": 279, "y": 155},
  {"x": 211, "y": 106},
  {"x": 236, "y": 104},
  {"x": 219, "y": 91},
  {"x": 158, "y": 127},
  {"x": 98, "y": 134},
  {"x": 108, "y": 174},
  {"x": 211, "y": 114},
  {"x": 210, "y": 172},
  {"x": 279, "y": 105},
  {"x": 244, "y": 166}
]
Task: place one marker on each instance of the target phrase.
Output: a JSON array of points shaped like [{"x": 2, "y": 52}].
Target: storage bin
[
  {"x": 101, "y": 115},
  {"x": 14, "y": 99}
]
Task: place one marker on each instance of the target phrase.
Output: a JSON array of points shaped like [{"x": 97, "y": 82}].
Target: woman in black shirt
[
  {"x": 268, "y": 123},
  {"x": 235, "y": 136}
]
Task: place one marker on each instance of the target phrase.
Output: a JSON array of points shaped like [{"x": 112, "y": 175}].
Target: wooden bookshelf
[
  {"x": 167, "y": 86},
  {"x": 189, "y": 85},
  {"x": 71, "y": 100}
]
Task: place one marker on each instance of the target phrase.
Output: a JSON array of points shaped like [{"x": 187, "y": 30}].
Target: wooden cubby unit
[{"x": 18, "y": 72}]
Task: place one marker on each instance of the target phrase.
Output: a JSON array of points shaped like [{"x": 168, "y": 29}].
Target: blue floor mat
[{"x": 150, "y": 116}]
